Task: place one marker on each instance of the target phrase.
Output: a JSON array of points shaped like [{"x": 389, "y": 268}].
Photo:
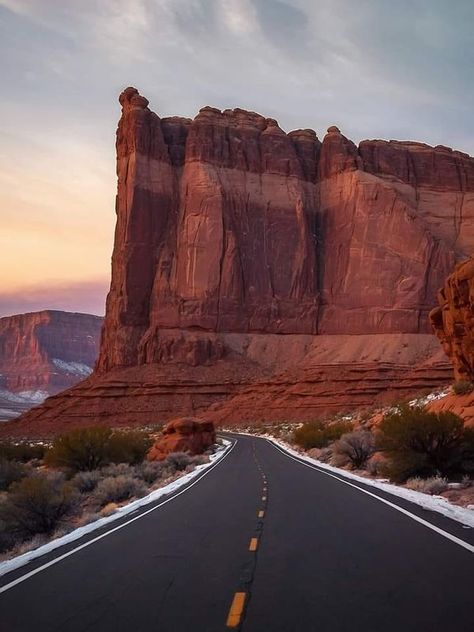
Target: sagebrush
[
  {"x": 319, "y": 434},
  {"x": 416, "y": 442},
  {"x": 83, "y": 449}
]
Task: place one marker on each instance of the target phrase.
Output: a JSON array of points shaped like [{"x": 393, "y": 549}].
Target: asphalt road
[{"x": 263, "y": 543}]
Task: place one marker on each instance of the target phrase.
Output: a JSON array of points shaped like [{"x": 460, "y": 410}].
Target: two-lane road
[{"x": 261, "y": 542}]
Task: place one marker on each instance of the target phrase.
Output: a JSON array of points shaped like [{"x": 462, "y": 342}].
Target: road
[{"x": 262, "y": 543}]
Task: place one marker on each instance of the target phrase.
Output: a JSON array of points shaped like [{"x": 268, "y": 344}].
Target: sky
[{"x": 374, "y": 68}]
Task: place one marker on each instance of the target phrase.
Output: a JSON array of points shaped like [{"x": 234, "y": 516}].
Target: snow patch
[
  {"x": 7, "y": 413},
  {"x": 431, "y": 397},
  {"x": 21, "y": 560},
  {"x": 35, "y": 397},
  {"x": 74, "y": 368},
  {"x": 23, "y": 397}
]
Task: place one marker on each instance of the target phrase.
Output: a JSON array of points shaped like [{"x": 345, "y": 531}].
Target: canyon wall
[{"x": 250, "y": 261}]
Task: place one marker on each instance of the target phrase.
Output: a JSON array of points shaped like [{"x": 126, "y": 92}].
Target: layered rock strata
[{"x": 232, "y": 235}]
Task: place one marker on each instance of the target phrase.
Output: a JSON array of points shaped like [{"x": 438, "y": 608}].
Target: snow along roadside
[
  {"x": 9, "y": 565},
  {"x": 432, "y": 503}
]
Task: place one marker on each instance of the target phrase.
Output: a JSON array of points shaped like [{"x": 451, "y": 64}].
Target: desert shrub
[
  {"x": 11, "y": 472},
  {"x": 115, "y": 489},
  {"x": 463, "y": 387},
  {"x": 321, "y": 454},
  {"x": 21, "y": 451},
  {"x": 118, "y": 469},
  {"x": 129, "y": 446},
  {"x": 319, "y": 434},
  {"x": 83, "y": 449},
  {"x": 7, "y": 539},
  {"x": 432, "y": 485},
  {"x": 416, "y": 442},
  {"x": 354, "y": 448},
  {"x": 200, "y": 459},
  {"x": 178, "y": 461},
  {"x": 37, "y": 504},
  {"x": 375, "y": 464},
  {"x": 86, "y": 482},
  {"x": 151, "y": 471}
]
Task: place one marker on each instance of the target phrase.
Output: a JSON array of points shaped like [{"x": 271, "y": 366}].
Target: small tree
[
  {"x": 419, "y": 443},
  {"x": 36, "y": 505},
  {"x": 81, "y": 449},
  {"x": 85, "y": 449},
  {"x": 319, "y": 434},
  {"x": 354, "y": 448},
  {"x": 129, "y": 447}
]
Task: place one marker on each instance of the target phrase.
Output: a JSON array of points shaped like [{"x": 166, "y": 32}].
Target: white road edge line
[
  {"x": 445, "y": 534},
  {"x": 26, "y": 576}
]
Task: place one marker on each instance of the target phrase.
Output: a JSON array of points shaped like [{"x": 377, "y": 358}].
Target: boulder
[{"x": 186, "y": 434}]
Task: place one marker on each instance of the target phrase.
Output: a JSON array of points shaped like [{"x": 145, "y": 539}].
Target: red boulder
[{"x": 185, "y": 434}]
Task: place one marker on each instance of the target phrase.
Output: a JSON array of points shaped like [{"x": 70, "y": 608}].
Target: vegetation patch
[
  {"x": 86, "y": 474},
  {"x": 319, "y": 434}
]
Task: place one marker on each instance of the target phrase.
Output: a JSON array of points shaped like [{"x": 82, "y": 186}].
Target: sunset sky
[{"x": 375, "y": 68}]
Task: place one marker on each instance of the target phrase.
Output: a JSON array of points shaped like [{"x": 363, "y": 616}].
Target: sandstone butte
[
  {"x": 453, "y": 323},
  {"x": 43, "y": 353},
  {"x": 263, "y": 275}
]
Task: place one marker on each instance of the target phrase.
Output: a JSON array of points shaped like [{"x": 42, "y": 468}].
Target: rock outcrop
[
  {"x": 233, "y": 236},
  {"x": 453, "y": 320},
  {"x": 186, "y": 434},
  {"x": 42, "y": 353}
]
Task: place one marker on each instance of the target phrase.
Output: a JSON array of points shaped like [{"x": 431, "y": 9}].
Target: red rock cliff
[
  {"x": 247, "y": 256},
  {"x": 453, "y": 320},
  {"x": 226, "y": 223}
]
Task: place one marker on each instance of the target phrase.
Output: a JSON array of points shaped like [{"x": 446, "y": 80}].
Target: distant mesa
[
  {"x": 42, "y": 353},
  {"x": 259, "y": 275}
]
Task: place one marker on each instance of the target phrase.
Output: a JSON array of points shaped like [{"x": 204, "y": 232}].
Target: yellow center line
[
  {"x": 236, "y": 609},
  {"x": 253, "y": 544},
  {"x": 261, "y": 513}
]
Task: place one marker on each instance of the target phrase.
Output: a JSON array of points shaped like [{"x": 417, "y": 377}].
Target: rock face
[
  {"x": 234, "y": 236},
  {"x": 42, "y": 353},
  {"x": 453, "y": 320},
  {"x": 453, "y": 323},
  {"x": 226, "y": 223},
  {"x": 186, "y": 434}
]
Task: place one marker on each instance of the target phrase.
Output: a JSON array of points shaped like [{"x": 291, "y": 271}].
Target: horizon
[{"x": 386, "y": 72}]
